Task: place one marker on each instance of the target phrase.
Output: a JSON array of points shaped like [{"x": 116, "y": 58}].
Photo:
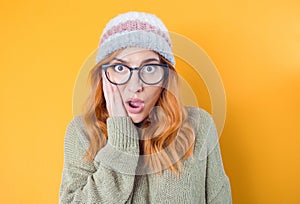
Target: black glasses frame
[{"x": 164, "y": 66}]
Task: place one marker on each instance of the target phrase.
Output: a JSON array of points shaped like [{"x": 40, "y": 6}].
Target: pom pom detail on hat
[{"x": 135, "y": 29}]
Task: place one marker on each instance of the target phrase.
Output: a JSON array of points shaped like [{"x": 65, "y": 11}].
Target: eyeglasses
[{"x": 150, "y": 74}]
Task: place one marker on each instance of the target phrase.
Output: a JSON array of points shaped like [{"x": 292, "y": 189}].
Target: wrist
[{"x": 122, "y": 133}]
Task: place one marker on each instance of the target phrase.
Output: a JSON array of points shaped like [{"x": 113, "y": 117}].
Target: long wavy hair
[{"x": 167, "y": 136}]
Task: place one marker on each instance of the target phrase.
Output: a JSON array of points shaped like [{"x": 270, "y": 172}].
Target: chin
[{"x": 137, "y": 118}]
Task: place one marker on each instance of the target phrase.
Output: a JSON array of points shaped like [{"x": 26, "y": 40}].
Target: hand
[{"x": 114, "y": 102}]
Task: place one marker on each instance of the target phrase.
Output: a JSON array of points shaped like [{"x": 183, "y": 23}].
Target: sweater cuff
[
  {"x": 122, "y": 134},
  {"x": 121, "y": 153}
]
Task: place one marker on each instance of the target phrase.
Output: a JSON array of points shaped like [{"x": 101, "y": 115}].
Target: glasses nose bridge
[{"x": 134, "y": 69}]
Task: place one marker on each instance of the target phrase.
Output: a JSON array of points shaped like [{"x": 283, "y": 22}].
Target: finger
[
  {"x": 114, "y": 101},
  {"x": 120, "y": 102},
  {"x": 107, "y": 93}
]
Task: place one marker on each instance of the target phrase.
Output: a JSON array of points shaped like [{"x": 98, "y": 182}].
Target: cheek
[{"x": 153, "y": 95}]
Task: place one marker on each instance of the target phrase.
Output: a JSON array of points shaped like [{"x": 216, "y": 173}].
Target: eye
[
  {"x": 120, "y": 68},
  {"x": 149, "y": 69}
]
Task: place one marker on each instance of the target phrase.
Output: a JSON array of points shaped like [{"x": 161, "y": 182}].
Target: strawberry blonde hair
[{"x": 170, "y": 127}]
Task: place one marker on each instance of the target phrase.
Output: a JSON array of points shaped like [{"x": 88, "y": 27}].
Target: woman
[{"x": 135, "y": 141}]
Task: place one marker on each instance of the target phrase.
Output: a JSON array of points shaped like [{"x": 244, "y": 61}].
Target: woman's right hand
[{"x": 114, "y": 102}]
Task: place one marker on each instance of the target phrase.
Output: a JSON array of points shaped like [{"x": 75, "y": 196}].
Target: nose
[{"x": 135, "y": 84}]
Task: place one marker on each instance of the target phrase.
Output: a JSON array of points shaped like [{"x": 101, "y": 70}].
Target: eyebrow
[{"x": 143, "y": 62}]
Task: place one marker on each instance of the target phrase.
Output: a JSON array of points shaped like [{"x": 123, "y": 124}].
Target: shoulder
[
  {"x": 200, "y": 119},
  {"x": 76, "y": 131},
  {"x": 76, "y": 123},
  {"x": 202, "y": 123},
  {"x": 197, "y": 113}
]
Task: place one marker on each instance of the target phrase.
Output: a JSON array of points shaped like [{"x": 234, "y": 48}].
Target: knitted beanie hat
[{"x": 135, "y": 29}]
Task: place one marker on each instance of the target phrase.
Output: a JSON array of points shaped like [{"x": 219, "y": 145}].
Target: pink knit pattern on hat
[
  {"x": 135, "y": 29},
  {"x": 132, "y": 25}
]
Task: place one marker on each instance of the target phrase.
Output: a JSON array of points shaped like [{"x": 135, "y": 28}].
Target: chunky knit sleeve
[
  {"x": 110, "y": 178},
  {"x": 217, "y": 183}
]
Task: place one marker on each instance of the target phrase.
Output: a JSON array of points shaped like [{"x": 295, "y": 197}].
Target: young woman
[{"x": 135, "y": 141}]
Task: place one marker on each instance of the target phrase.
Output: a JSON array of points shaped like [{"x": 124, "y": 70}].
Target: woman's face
[{"x": 138, "y": 97}]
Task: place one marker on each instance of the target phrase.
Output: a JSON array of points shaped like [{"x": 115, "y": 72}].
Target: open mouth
[{"x": 135, "y": 105}]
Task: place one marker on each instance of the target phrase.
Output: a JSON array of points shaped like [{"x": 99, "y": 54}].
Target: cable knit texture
[{"x": 110, "y": 177}]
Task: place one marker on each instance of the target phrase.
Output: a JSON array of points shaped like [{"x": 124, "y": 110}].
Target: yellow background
[{"x": 254, "y": 44}]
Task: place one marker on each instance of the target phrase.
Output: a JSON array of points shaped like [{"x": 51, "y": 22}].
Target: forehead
[{"x": 136, "y": 54}]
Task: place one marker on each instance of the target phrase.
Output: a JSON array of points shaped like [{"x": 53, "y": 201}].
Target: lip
[
  {"x": 134, "y": 100},
  {"x": 139, "y": 102}
]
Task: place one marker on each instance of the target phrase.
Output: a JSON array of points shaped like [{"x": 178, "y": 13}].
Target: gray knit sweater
[{"x": 108, "y": 179}]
